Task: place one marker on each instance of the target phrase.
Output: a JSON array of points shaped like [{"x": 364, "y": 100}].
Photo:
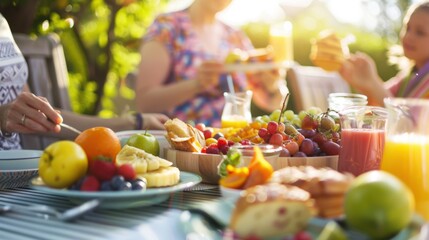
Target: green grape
[
  {"x": 289, "y": 114},
  {"x": 314, "y": 111},
  {"x": 297, "y": 122},
  {"x": 259, "y": 119},
  {"x": 275, "y": 115},
  {"x": 302, "y": 114},
  {"x": 266, "y": 118}
]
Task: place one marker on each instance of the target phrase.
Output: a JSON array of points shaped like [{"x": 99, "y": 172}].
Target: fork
[{"x": 48, "y": 212}]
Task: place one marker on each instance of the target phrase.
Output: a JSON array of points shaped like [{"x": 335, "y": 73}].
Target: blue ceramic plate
[
  {"x": 18, "y": 167},
  {"x": 123, "y": 199}
]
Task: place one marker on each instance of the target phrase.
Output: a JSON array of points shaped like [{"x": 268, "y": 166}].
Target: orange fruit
[
  {"x": 236, "y": 177},
  {"x": 99, "y": 142}
]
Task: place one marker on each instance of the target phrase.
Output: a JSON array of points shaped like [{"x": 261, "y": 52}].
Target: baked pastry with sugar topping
[
  {"x": 328, "y": 52},
  {"x": 272, "y": 210},
  {"x": 325, "y": 185},
  {"x": 183, "y": 136}
]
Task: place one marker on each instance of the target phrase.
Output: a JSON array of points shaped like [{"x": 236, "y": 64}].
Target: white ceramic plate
[
  {"x": 17, "y": 167},
  {"x": 124, "y": 199},
  {"x": 159, "y": 135},
  {"x": 253, "y": 67}
]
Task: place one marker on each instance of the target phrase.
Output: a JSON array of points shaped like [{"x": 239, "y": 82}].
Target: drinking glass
[
  {"x": 236, "y": 112},
  {"x": 406, "y": 152},
  {"x": 362, "y": 139},
  {"x": 282, "y": 42}
]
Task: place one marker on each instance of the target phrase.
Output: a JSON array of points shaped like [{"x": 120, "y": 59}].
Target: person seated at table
[
  {"x": 181, "y": 68},
  {"x": 23, "y": 112},
  {"x": 412, "y": 81}
]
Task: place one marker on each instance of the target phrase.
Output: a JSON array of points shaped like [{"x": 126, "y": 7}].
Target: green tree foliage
[{"x": 101, "y": 40}]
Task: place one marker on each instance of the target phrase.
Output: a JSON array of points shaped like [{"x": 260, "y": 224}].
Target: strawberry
[
  {"x": 103, "y": 170},
  {"x": 90, "y": 184},
  {"x": 127, "y": 171}
]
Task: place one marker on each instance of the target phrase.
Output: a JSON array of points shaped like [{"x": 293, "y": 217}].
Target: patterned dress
[
  {"x": 13, "y": 76},
  {"x": 174, "y": 31}
]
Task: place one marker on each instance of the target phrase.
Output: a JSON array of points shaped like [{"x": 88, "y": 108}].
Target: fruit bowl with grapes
[{"x": 310, "y": 137}]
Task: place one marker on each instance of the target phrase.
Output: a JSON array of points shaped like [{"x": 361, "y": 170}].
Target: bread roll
[
  {"x": 325, "y": 185},
  {"x": 328, "y": 52},
  {"x": 271, "y": 210}
]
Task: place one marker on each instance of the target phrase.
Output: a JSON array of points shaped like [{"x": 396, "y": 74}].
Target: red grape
[
  {"x": 291, "y": 146},
  {"x": 284, "y": 152},
  {"x": 300, "y": 154},
  {"x": 276, "y": 139},
  {"x": 308, "y": 133},
  {"x": 200, "y": 126},
  {"x": 207, "y": 134},
  {"x": 263, "y": 132},
  {"x": 330, "y": 148},
  {"x": 272, "y": 127},
  {"x": 307, "y": 147}
]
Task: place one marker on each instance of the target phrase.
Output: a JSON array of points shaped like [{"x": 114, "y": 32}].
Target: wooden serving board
[{"x": 206, "y": 165}]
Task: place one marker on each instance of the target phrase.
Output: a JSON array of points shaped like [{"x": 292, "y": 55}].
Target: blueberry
[
  {"x": 116, "y": 182},
  {"x": 106, "y": 186},
  {"x": 77, "y": 184},
  {"x": 138, "y": 184},
  {"x": 125, "y": 186},
  {"x": 218, "y": 135}
]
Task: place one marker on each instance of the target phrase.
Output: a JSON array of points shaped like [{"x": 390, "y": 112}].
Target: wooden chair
[
  {"x": 47, "y": 77},
  {"x": 310, "y": 86}
]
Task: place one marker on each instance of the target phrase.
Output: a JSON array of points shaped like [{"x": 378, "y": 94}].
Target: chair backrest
[
  {"x": 310, "y": 86},
  {"x": 47, "y": 77}
]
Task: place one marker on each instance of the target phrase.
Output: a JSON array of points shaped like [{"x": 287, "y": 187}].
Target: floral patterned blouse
[{"x": 174, "y": 30}]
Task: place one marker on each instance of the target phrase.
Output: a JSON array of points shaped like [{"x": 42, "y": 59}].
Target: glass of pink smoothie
[{"x": 362, "y": 139}]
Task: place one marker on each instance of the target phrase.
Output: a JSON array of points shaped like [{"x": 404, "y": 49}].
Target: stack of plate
[{"x": 18, "y": 167}]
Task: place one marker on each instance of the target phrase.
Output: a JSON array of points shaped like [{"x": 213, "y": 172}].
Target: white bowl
[
  {"x": 18, "y": 167},
  {"x": 158, "y": 134},
  {"x": 230, "y": 193}
]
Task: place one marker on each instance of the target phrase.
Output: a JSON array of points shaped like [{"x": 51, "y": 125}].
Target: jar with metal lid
[{"x": 339, "y": 101}]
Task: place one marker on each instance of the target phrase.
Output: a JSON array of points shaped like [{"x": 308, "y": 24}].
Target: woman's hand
[
  {"x": 29, "y": 113},
  {"x": 154, "y": 121},
  {"x": 207, "y": 76},
  {"x": 267, "y": 80}
]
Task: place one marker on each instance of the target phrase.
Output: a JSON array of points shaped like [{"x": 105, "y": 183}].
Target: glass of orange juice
[
  {"x": 281, "y": 41},
  {"x": 236, "y": 112},
  {"x": 406, "y": 152}
]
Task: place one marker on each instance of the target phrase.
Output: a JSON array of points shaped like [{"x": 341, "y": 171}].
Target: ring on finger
[{"x": 23, "y": 118}]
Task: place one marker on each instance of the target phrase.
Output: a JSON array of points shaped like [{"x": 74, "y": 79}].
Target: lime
[
  {"x": 378, "y": 204},
  {"x": 332, "y": 231}
]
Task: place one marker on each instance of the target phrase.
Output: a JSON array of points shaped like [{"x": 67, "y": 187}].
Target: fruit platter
[
  {"x": 307, "y": 138},
  {"x": 97, "y": 165}
]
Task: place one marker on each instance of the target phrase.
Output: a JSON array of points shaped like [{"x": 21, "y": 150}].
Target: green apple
[{"x": 145, "y": 141}]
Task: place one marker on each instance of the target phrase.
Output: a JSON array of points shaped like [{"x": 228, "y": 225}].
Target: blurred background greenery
[{"x": 101, "y": 37}]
